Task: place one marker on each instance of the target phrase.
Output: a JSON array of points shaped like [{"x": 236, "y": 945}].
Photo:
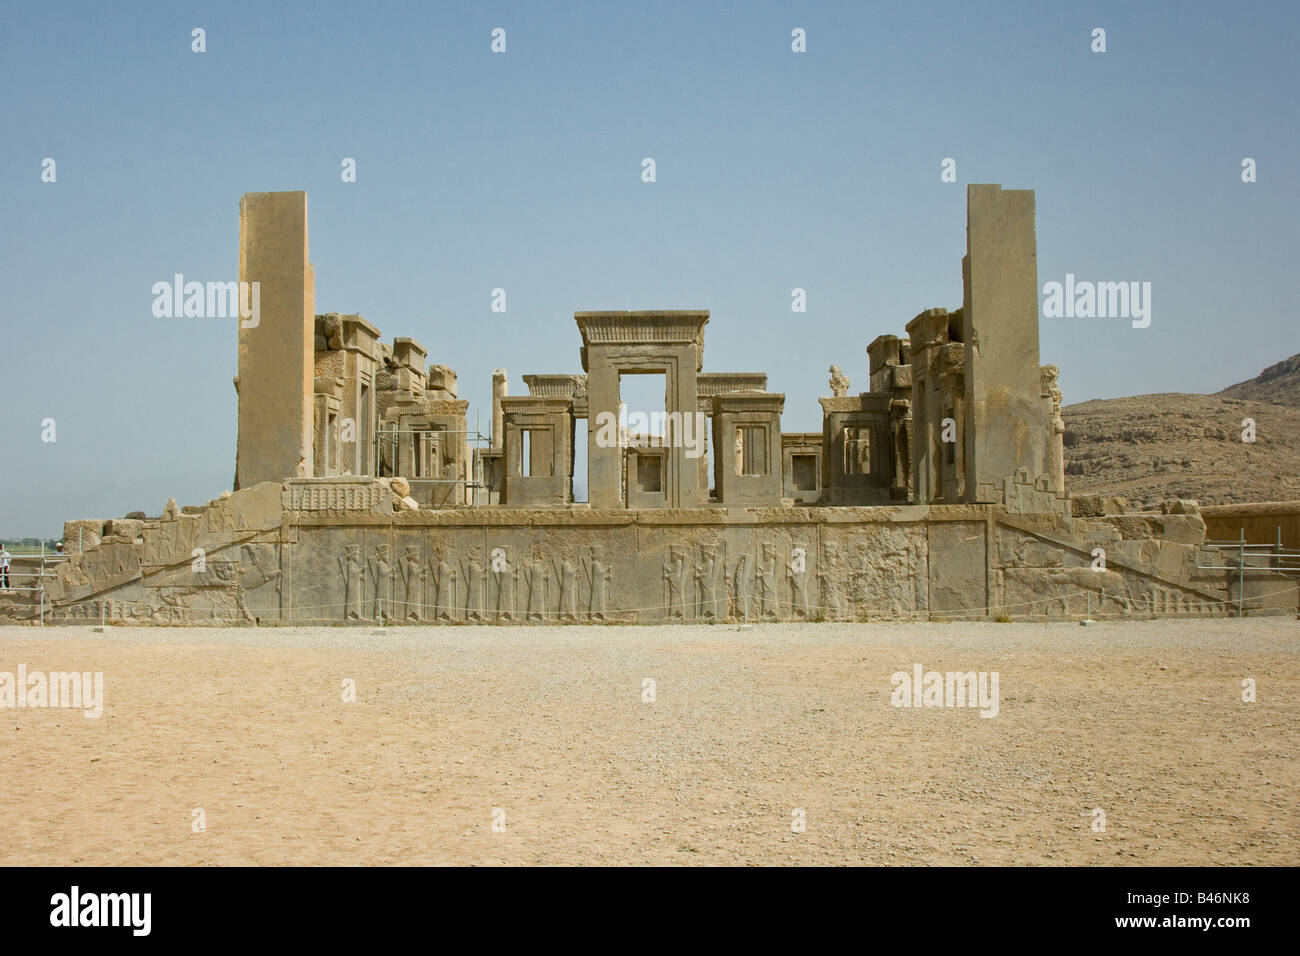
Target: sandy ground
[{"x": 1142, "y": 720}]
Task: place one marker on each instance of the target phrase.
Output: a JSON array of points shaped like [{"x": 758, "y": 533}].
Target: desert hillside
[
  {"x": 1151, "y": 447},
  {"x": 1278, "y": 384}
]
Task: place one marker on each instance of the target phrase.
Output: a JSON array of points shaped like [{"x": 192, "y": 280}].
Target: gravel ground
[{"x": 1143, "y": 720}]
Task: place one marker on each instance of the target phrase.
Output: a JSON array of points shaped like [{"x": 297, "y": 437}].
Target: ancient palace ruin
[{"x": 361, "y": 494}]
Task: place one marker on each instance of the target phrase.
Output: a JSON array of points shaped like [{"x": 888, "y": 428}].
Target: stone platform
[{"x": 333, "y": 551}]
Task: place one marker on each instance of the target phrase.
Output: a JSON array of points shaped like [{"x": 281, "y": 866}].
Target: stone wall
[
  {"x": 1259, "y": 521},
  {"x": 324, "y": 551}
]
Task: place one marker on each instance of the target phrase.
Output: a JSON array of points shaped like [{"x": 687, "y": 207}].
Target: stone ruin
[{"x": 938, "y": 493}]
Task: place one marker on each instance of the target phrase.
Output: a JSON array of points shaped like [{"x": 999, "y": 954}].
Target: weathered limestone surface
[
  {"x": 758, "y": 482},
  {"x": 856, "y": 464},
  {"x": 276, "y": 366},
  {"x": 1009, "y": 424},
  {"x": 658, "y": 342},
  {"x": 81, "y": 534},
  {"x": 548, "y": 423},
  {"x": 346, "y": 366},
  {"x": 801, "y": 467},
  {"x": 343, "y": 494},
  {"x": 265, "y": 562},
  {"x": 711, "y": 384},
  {"x": 177, "y": 569},
  {"x": 500, "y": 388},
  {"x": 1257, "y": 521}
]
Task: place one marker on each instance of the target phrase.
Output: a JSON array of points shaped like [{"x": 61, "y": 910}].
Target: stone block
[
  {"x": 442, "y": 379},
  {"x": 344, "y": 494},
  {"x": 82, "y": 534},
  {"x": 1087, "y": 506},
  {"x": 122, "y": 527}
]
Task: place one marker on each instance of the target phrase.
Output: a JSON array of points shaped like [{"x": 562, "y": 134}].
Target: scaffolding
[
  {"x": 1254, "y": 558},
  {"x": 391, "y": 439},
  {"x": 37, "y": 575}
]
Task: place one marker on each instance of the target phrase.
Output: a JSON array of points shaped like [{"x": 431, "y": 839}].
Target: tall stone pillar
[
  {"x": 1008, "y": 425},
  {"x": 500, "y": 388},
  {"x": 604, "y": 453},
  {"x": 276, "y": 348}
]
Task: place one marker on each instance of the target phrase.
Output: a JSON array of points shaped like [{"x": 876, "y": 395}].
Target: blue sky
[{"x": 521, "y": 170}]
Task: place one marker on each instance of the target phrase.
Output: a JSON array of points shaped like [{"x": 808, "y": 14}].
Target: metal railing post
[{"x": 1241, "y": 574}]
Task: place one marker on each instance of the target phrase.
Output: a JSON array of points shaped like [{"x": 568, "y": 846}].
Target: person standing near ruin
[{"x": 4, "y": 568}]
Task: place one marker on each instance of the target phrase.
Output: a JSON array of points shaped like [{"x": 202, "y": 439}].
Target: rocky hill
[
  {"x": 1278, "y": 384},
  {"x": 1151, "y": 447}
]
